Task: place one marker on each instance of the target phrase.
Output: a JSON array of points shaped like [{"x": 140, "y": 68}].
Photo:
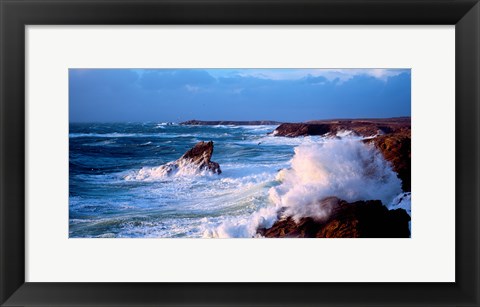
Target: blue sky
[{"x": 288, "y": 95}]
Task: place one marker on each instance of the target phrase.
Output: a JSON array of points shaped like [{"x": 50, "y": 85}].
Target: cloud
[
  {"x": 192, "y": 88},
  {"x": 237, "y": 94},
  {"x": 340, "y": 75},
  {"x": 316, "y": 80},
  {"x": 275, "y": 74},
  {"x": 343, "y": 75}
]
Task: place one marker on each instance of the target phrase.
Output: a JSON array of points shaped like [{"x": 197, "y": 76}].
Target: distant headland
[
  {"x": 344, "y": 123},
  {"x": 230, "y": 122}
]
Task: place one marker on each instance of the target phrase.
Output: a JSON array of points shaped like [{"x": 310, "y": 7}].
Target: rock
[
  {"x": 396, "y": 148},
  {"x": 198, "y": 157},
  {"x": 361, "y": 127},
  {"x": 361, "y": 219},
  {"x": 301, "y": 129}
]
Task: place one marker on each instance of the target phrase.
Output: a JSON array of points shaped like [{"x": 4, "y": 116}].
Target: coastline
[
  {"x": 370, "y": 218},
  {"x": 244, "y": 155},
  {"x": 230, "y": 122},
  {"x": 392, "y": 138}
]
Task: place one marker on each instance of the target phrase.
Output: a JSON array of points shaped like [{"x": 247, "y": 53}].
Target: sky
[{"x": 286, "y": 95}]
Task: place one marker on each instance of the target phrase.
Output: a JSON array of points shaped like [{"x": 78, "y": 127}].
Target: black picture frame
[{"x": 16, "y": 14}]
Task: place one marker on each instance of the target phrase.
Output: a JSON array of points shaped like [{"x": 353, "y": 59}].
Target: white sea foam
[
  {"x": 345, "y": 168},
  {"x": 345, "y": 133},
  {"x": 104, "y": 135},
  {"x": 402, "y": 201},
  {"x": 132, "y": 135},
  {"x": 166, "y": 124},
  {"x": 192, "y": 203},
  {"x": 285, "y": 141},
  {"x": 102, "y": 143},
  {"x": 259, "y": 128},
  {"x": 171, "y": 169}
]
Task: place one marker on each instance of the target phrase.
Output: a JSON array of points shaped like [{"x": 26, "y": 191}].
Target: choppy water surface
[
  {"x": 116, "y": 192},
  {"x": 109, "y": 198}
]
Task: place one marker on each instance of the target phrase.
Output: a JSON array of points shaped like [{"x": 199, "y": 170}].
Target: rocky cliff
[
  {"x": 361, "y": 127},
  {"x": 361, "y": 219},
  {"x": 396, "y": 148}
]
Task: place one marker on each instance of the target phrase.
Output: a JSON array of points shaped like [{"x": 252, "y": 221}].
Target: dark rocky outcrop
[
  {"x": 227, "y": 122},
  {"x": 396, "y": 148},
  {"x": 361, "y": 219},
  {"x": 301, "y": 129},
  {"x": 361, "y": 127},
  {"x": 198, "y": 156}
]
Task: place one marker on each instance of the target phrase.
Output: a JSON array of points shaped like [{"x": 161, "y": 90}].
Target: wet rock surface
[
  {"x": 198, "y": 157},
  {"x": 396, "y": 148},
  {"x": 361, "y": 219},
  {"x": 361, "y": 127}
]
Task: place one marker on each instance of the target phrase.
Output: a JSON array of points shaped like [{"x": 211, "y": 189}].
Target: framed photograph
[
  {"x": 239, "y": 153},
  {"x": 146, "y": 170}
]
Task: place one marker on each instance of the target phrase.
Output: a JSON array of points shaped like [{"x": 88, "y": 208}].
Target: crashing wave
[
  {"x": 194, "y": 161},
  {"x": 347, "y": 169}
]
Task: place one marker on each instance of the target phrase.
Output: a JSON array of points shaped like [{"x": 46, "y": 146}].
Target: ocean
[{"x": 117, "y": 190}]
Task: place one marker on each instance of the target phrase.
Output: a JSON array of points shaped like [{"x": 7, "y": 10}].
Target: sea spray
[
  {"x": 244, "y": 227},
  {"x": 189, "y": 203},
  {"x": 403, "y": 201},
  {"x": 161, "y": 172},
  {"x": 345, "y": 168},
  {"x": 196, "y": 159}
]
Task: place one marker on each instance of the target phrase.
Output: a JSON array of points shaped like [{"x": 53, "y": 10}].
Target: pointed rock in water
[
  {"x": 198, "y": 158},
  {"x": 200, "y": 155}
]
